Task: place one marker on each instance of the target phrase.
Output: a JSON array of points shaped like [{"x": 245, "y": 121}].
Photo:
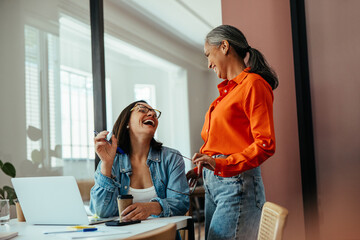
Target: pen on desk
[
  {"x": 81, "y": 230},
  {"x": 118, "y": 149},
  {"x": 79, "y": 227}
]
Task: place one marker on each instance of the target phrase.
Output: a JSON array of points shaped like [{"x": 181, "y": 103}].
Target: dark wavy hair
[
  {"x": 122, "y": 133},
  {"x": 237, "y": 40}
]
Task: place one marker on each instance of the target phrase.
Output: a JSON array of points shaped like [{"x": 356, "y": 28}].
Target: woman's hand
[
  {"x": 203, "y": 160},
  {"x": 192, "y": 177},
  {"x": 141, "y": 211},
  {"x": 105, "y": 151}
]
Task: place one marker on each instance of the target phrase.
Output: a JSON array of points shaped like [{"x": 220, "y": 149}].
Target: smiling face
[
  {"x": 142, "y": 121},
  {"x": 217, "y": 60}
]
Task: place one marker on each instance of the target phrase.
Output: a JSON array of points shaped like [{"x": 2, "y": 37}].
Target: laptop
[{"x": 52, "y": 201}]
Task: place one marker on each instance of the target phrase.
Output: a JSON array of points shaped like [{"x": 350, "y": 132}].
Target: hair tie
[{"x": 248, "y": 48}]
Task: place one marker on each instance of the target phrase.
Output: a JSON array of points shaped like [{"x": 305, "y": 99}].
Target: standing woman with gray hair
[{"x": 238, "y": 136}]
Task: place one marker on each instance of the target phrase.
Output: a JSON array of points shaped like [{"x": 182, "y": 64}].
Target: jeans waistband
[{"x": 254, "y": 171}]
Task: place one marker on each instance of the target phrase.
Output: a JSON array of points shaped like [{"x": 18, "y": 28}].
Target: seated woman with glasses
[{"x": 135, "y": 163}]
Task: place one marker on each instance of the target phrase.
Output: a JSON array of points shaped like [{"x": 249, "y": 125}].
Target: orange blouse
[{"x": 239, "y": 123}]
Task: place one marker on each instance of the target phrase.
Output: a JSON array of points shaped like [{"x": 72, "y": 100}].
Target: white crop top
[{"x": 142, "y": 195}]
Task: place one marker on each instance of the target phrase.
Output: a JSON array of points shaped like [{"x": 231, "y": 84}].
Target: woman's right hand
[
  {"x": 105, "y": 151},
  {"x": 192, "y": 177}
]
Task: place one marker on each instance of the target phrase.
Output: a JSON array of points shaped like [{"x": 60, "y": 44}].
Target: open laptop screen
[{"x": 50, "y": 200}]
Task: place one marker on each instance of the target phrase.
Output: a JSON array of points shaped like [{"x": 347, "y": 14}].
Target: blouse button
[
  {"x": 264, "y": 145},
  {"x": 125, "y": 187},
  {"x": 225, "y": 91}
]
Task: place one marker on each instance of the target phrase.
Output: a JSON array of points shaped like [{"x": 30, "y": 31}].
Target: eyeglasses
[
  {"x": 144, "y": 109},
  {"x": 187, "y": 194},
  {"x": 194, "y": 187}
]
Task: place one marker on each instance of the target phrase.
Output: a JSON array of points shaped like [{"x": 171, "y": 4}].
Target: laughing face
[
  {"x": 216, "y": 56},
  {"x": 143, "y": 120}
]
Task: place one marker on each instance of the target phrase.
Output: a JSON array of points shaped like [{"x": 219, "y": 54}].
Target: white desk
[{"x": 28, "y": 231}]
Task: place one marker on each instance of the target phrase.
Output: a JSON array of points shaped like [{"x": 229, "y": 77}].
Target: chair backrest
[
  {"x": 167, "y": 232},
  {"x": 272, "y": 222},
  {"x": 84, "y": 188}
]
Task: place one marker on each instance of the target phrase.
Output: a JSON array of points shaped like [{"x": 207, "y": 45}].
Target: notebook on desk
[
  {"x": 52, "y": 201},
  {"x": 7, "y": 235}
]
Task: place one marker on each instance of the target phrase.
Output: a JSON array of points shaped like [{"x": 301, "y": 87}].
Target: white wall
[{"x": 12, "y": 88}]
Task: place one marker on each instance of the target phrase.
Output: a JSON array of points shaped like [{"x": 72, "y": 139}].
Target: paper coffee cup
[{"x": 123, "y": 202}]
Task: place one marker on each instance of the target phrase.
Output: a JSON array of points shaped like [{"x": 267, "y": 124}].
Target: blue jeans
[{"x": 233, "y": 205}]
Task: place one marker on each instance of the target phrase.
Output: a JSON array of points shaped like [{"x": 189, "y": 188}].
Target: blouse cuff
[{"x": 219, "y": 167}]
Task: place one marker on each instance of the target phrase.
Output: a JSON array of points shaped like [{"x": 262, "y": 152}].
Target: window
[
  {"x": 145, "y": 92},
  {"x": 59, "y": 99},
  {"x": 76, "y": 115},
  {"x": 33, "y": 95},
  {"x": 40, "y": 75},
  {"x": 59, "y": 95}
]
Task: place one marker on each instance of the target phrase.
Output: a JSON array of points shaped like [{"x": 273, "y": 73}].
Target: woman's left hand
[
  {"x": 203, "y": 160},
  {"x": 141, "y": 211}
]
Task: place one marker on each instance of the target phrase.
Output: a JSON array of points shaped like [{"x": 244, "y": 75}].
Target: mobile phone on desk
[{"x": 117, "y": 223}]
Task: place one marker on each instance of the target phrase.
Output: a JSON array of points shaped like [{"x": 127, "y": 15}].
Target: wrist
[
  {"x": 106, "y": 169},
  {"x": 155, "y": 208}
]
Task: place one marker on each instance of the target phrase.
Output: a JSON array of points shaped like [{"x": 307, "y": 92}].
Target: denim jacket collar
[
  {"x": 154, "y": 155},
  {"x": 124, "y": 163}
]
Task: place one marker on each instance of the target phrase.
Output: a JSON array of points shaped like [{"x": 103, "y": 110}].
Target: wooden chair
[
  {"x": 272, "y": 222},
  {"x": 167, "y": 232},
  {"x": 84, "y": 188}
]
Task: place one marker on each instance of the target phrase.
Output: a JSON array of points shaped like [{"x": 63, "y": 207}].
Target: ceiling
[{"x": 189, "y": 20}]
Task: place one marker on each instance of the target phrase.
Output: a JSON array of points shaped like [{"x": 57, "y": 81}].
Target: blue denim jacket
[{"x": 163, "y": 164}]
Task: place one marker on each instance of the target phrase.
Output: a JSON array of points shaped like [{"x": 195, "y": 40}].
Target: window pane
[
  {"x": 32, "y": 88},
  {"x": 59, "y": 103}
]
